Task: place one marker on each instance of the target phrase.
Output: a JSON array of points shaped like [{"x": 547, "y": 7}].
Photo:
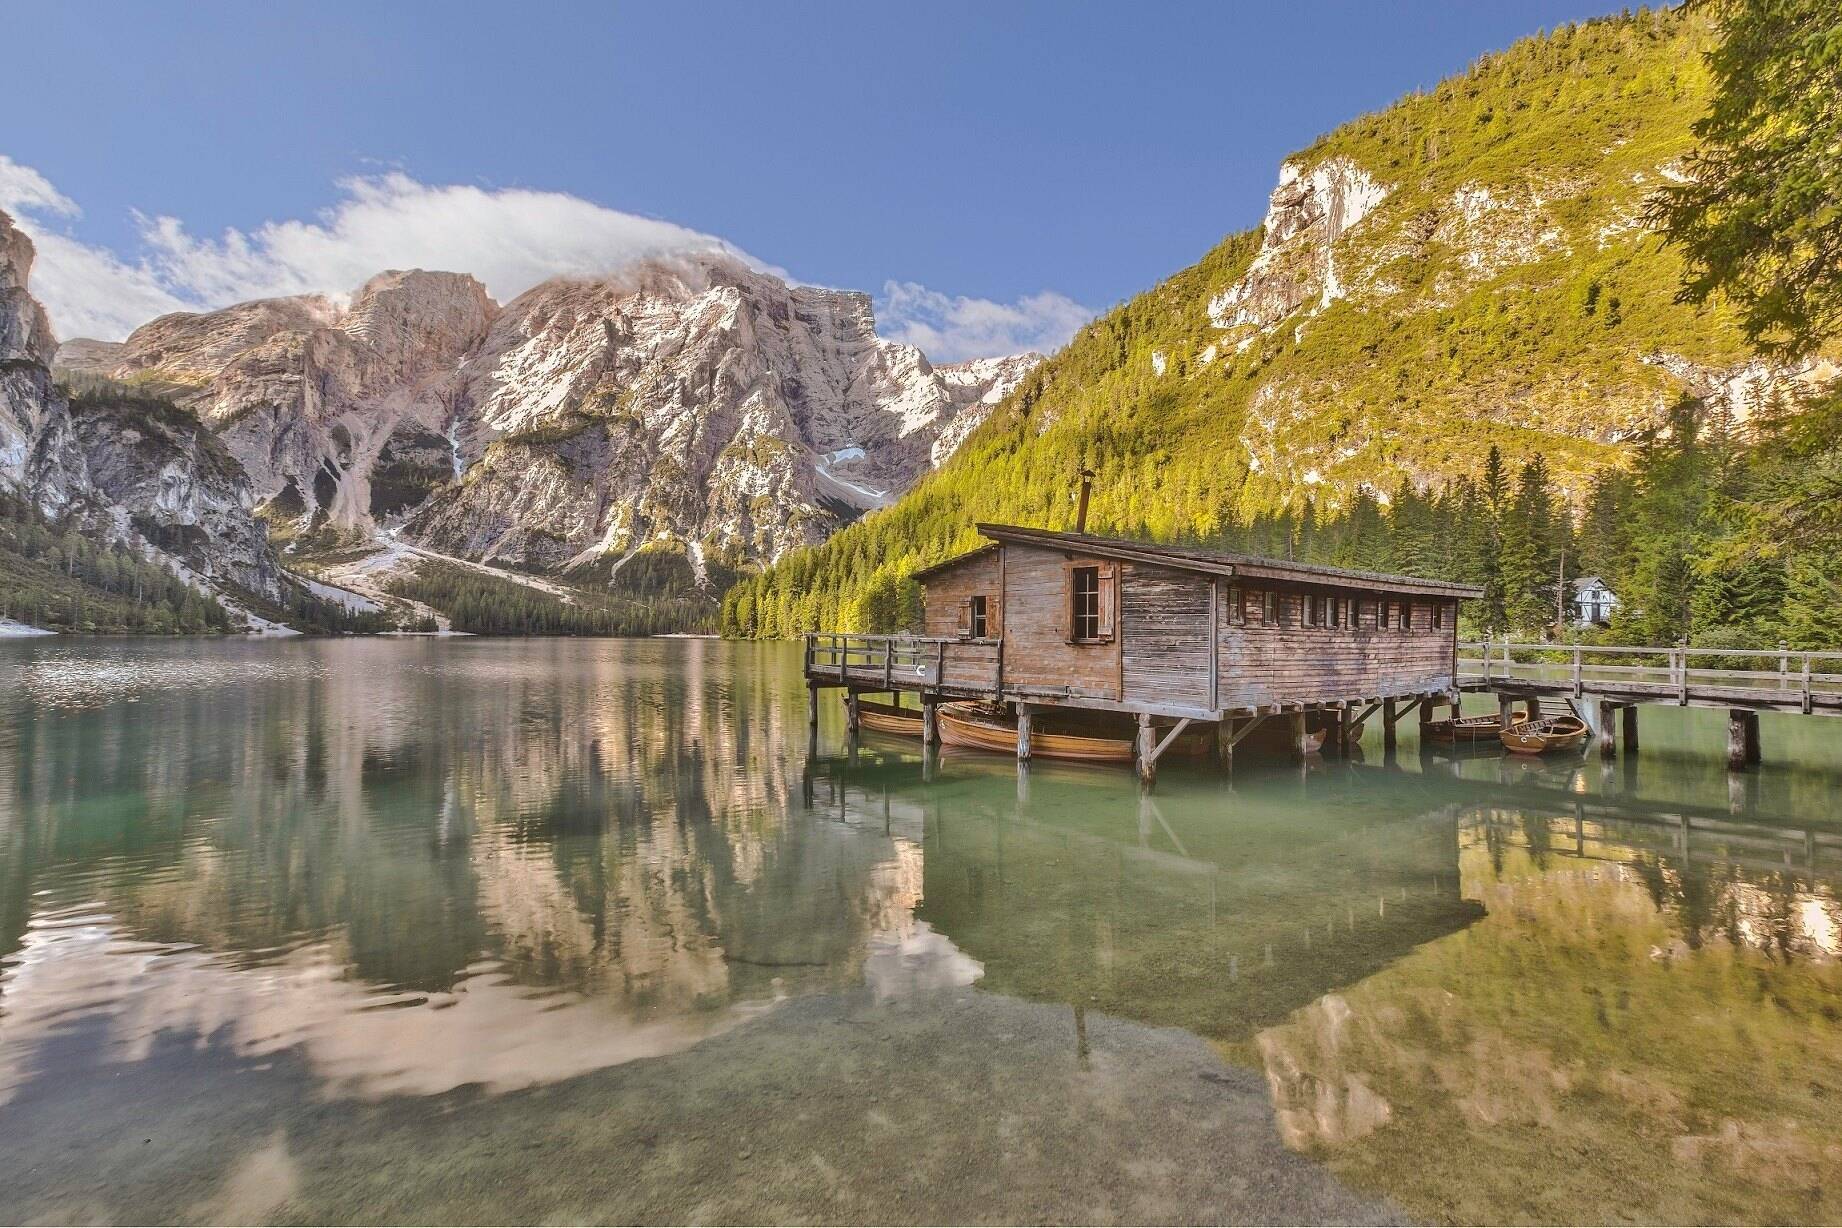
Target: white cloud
[
  {"x": 951, "y": 328},
  {"x": 23, "y": 189},
  {"x": 510, "y": 238}
]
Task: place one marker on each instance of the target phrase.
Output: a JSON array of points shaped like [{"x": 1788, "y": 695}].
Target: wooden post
[
  {"x": 1629, "y": 719},
  {"x": 1023, "y": 733},
  {"x": 1297, "y": 718},
  {"x": 1389, "y": 733},
  {"x": 1608, "y": 716},
  {"x": 1736, "y": 739},
  {"x": 1534, "y": 706},
  {"x": 1224, "y": 744},
  {"x": 1340, "y": 731},
  {"x": 1506, "y": 707},
  {"x": 1579, "y": 679},
  {"x": 1426, "y": 717},
  {"x": 1147, "y": 766},
  {"x": 853, "y": 712},
  {"x": 930, "y": 720},
  {"x": 812, "y": 715},
  {"x": 1752, "y": 738}
]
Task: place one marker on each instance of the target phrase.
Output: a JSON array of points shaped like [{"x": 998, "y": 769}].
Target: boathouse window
[
  {"x": 1090, "y": 614},
  {"x": 975, "y": 617},
  {"x": 1308, "y": 612},
  {"x": 1438, "y": 615},
  {"x": 1382, "y": 610},
  {"x": 1336, "y": 612},
  {"x": 1237, "y": 606},
  {"x": 1269, "y": 607}
]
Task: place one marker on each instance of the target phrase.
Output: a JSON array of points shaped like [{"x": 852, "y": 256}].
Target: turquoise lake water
[{"x": 563, "y": 930}]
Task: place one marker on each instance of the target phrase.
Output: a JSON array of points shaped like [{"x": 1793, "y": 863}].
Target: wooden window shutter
[
  {"x": 1068, "y": 615},
  {"x": 965, "y": 615},
  {"x": 1109, "y": 599}
]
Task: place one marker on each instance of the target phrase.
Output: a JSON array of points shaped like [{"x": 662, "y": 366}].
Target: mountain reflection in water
[{"x": 580, "y": 930}]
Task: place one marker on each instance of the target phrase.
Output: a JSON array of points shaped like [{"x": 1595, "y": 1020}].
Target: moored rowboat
[
  {"x": 1485, "y": 728},
  {"x": 1539, "y": 737},
  {"x": 889, "y": 718},
  {"x": 1087, "y": 737}
]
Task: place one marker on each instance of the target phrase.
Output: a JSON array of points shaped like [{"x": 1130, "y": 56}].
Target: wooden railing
[
  {"x": 1779, "y": 677},
  {"x": 906, "y": 662}
]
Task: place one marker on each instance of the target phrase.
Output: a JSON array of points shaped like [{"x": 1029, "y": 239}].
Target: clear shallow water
[{"x": 569, "y": 930}]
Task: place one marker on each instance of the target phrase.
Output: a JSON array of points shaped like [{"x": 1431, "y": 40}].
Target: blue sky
[{"x": 993, "y": 172}]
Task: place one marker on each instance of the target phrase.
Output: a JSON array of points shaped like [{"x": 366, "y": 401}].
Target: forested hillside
[{"x": 1453, "y": 341}]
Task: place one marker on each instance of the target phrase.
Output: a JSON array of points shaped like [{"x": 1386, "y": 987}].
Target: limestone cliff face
[
  {"x": 699, "y": 401},
  {"x": 123, "y": 467},
  {"x": 337, "y": 414},
  {"x": 695, "y": 400},
  {"x": 33, "y": 431}
]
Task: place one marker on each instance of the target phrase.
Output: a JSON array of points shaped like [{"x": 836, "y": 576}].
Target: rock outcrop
[
  {"x": 34, "y": 433},
  {"x": 124, "y": 466}
]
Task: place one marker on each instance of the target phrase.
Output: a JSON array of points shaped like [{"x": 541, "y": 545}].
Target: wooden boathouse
[{"x": 1170, "y": 636}]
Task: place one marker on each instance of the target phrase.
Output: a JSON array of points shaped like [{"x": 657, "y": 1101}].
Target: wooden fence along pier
[{"x": 1607, "y": 684}]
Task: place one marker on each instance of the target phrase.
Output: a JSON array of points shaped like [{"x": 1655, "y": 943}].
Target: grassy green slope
[{"x": 1503, "y": 293}]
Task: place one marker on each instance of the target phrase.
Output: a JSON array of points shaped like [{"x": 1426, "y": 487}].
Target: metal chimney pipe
[{"x": 1087, "y": 485}]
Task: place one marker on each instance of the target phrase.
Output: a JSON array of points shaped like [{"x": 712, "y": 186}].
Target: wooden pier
[
  {"x": 1607, "y": 684},
  {"x": 1039, "y": 621}
]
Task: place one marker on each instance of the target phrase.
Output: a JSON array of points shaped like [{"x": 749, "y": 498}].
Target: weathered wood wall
[
  {"x": 1288, "y": 662},
  {"x": 944, "y": 590},
  {"x": 1037, "y": 654},
  {"x": 1164, "y": 619},
  {"x": 1160, "y": 654}
]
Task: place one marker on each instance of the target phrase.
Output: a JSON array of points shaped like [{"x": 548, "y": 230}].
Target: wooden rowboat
[
  {"x": 1539, "y": 737},
  {"x": 1472, "y": 728},
  {"x": 889, "y": 718},
  {"x": 1088, "y": 737}
]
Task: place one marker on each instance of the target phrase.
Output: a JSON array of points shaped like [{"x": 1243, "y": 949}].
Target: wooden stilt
[
  {"x": 1629, "y": 719},
  {"x": 1608, "y": 716},
  {"x": 1300, "y": 746},
  {"x": 1752, "y": 738},
  {"x": 1736, "y": 739},
  {"x": 1023, "y": 733},
  {"x": 812, "y": 712},
  {"x": 1388, "y": 729},
  {"x": 1224, "y": 744},
  {"x": 853, "y": 713},
  {"x": 1147, "y": 762},
  {"x": 930, "y": 721},
  {"x": 1534, "y": 707},
  {"x": 1506, "y": 705}
]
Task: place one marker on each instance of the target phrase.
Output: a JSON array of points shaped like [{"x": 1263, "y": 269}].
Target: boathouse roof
[{"x": 1214, "y": 562}]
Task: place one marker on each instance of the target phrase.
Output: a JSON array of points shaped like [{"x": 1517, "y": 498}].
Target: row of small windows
[{"x": 1332, "y": 612}]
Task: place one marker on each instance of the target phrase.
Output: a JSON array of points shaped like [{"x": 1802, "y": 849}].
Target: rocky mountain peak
[
  {"x": 25, "y": 332},
  {"x": 417, "y": 321}
]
